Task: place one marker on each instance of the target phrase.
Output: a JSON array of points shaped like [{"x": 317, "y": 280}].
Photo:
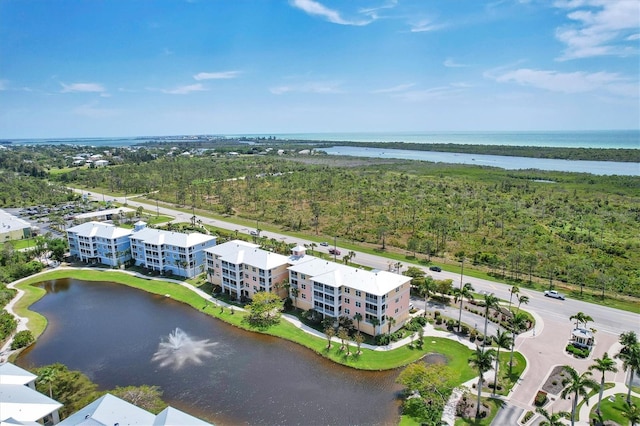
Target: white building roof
[
  {"x": 179, "y": 239},
  {"x": 9, "y": 222},
  {"x": 173, "y": 417},
  {"x": 100, "y": 213},
  {"x": 13, "y": 375},
  {"x": 109, "y": 410},
  {"x": 336, "y": 275},
  {"x": 237, "y": 252},
  {"x": 99, "y": 229},
  {"x": 24, "y": 404}
]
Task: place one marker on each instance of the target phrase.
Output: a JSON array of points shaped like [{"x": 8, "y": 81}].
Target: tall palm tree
[
  {"x": 390, "y": 323},
  {"x": 329, "y": 333},
  {"x": 425, "y": 289},
  {"x": 553, "y": 419},
  {"x": 577, "y": 384},
  {"x": 514, "y": 291},
  {"x": 48, "y": 376},
  {"x": 358, "y": 318},
  {"x": 603, "y": 365},
  {"x": 358, "y": 338},
  {"x": 465, "y": 292},
  {"x": 630, "y": 356},
  {"x": 522, "y": 299},
  {"x": 375, "y": 322},
  {"x": 503, "y": 340},
  {"x": 632, "y": 413},
  {"x": 580, "y": 318},
  {"x": 481, "y": 360},
  {"x": 490, "y": 301},
  {"x": 518, "y": 323}
]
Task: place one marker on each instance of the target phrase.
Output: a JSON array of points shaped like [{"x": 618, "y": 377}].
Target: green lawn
[
  {"x": 456, "y": 353},
  {"x": 613, "y": 410},
  {"x": 494, "y": 404},
  {"x": 23, "y": 244}
]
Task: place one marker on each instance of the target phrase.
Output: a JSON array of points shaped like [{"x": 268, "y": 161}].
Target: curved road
[{"x": 543, "y": 347}]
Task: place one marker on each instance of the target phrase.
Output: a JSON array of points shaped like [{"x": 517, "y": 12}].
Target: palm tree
[
  {"x": 390, "y": 323},
  {"x": 329, "y": 332},
  {"x": 295, "y": 292},
  {"x": 553, "y": 419},
  {"x": 358, "y": 318},
  {"x": 375, "y": 322},
  {"x": 48, "y": 376},
  {"x": 343, "y": 335},
  {"x": 460, "y": 294},
  {"x": 577, "y": 384},
  {"x": 518, "y": 323},
  {"x": 581, "y": 317},
  {"x": 514, "y": 291},
  {"x": 630, "y": 356},
  {"x": 603, "y": 365},
  {"x": 481, "y": 360},
  {"x": 631, "y": 412},
  {"x": 522, "y": 299},
  {"x": 358, "y": 338},
  {"x": 425, "y": 289},
  {"x": 490, "y": 301},
  {"x": 503, "y": 340}
]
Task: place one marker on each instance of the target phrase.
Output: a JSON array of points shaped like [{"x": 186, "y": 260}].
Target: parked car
[
  {"x": 334, "y": 251},
  {"x": 254, "y": 233},
  {"x": 554, "y": 294},
  {"x": 435, "y": 268},
  {"x": 324, "y": 244}
]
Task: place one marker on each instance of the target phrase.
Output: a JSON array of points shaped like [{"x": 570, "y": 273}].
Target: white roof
[
  {"x": 100, "y": 213},
  {"x": 99, "y": 229},
  {"x": 581, "y": 332},
  {"x": 336, "y": 275},
  {"x": 109, "y": 410},
  {"x": 24, "y": 404},
  {"x": 9, "y": 222},
  {"x": 13, "y": 375},
  {"x": 179, "y": 239},
  {"x": 173, "y": 417},
  {"x": 237, "y": 252}
]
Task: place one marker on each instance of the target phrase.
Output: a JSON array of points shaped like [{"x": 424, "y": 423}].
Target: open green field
[{"x": 612, "y": 410}]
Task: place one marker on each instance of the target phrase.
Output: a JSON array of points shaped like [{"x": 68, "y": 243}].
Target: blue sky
[{"x": 72, "y": 68}]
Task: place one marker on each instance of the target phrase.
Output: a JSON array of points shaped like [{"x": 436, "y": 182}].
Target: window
[
  {"x": 358, "y": 293},
  {"x": 396, "y": 310},
  {"x": 397, "y": 289},
  {"x": 346, "y": 311},
  {"x": 254, "y": 278},
  {"x": 304, "y": 296},
  {"x": 254, "y": 269},
  {"x": 397, "y": 299},
  {"x": 304, "y": 286},
  {"x": 347, "y": 290},
  {"x": 346, "y": 300},
  {"x": 358, "y": 305}
]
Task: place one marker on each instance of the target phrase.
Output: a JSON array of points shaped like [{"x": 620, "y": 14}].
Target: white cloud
[
  {"x": 315, "y": 8},
  {"x": 184, "y": 90},
  {"x": 599, "y": 27},
  {"x": 309, "y": 87},
  {"x": 573, "y": 82},
  {"x": 395, "y": 89},
  {"x": 216, "y": 75},
  {"x": 441, "y": 92},
  {"x": 426, "y": 25},
  {"x": 83, "y": 88},
  {"x": 450, "y": 63}
]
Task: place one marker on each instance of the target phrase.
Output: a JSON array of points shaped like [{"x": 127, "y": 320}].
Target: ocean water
[{"x": 574, "y": 139}]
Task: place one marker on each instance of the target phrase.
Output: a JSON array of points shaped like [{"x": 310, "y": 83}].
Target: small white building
[{"x": 13, "y": 228}]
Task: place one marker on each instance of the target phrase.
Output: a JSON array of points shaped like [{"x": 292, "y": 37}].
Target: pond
[{"x": 120, "y": 336}]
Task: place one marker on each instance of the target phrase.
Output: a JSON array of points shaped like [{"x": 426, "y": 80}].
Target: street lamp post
[{"x": 335, "y": 249}]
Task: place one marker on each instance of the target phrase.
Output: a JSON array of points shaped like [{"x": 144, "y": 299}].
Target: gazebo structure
[{"x": 582, "y": 337}]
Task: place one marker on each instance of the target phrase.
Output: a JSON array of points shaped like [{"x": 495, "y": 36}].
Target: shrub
[
  {"x": 437, "y": 314},
  {"x": 541, "y": 398},
  {"x": 527, "y": 417},
  {"x": 22, "y": 339},
  {"x": 464, "y": 330}
]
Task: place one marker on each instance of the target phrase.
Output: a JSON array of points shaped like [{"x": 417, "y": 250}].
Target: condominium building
[
  {"x": 242, "y": 269},
  {"x": 338, "y": 290},
  {"x": 331, "y": 289},
  {"x": 96, "y": 242},
  {"x": 168, "y": 251}
]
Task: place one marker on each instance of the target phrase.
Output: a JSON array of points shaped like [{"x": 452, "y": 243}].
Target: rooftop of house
[
  {"x": 101, "y": 213},
  {"x": 13, "y": 375},
  {"x": 178, "y": 239},
  {"x": 99, "y": 229},
  {"x": 241, "y": 252},
  {"x": 24, "y": 404},
  {"x": 9, "y": 222}
]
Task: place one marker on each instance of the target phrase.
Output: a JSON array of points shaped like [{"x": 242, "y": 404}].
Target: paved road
[{"x": 543, "y": 347}]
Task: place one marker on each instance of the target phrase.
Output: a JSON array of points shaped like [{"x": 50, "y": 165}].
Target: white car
[{"x": 554, "y": 294}]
